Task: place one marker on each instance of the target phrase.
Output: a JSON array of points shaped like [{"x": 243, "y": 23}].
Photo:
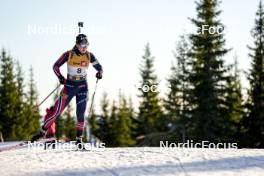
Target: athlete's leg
[
  {"x": 60, "y": 104},
  {"x": 52, "y": 129},
  {"x": 81, "y": 101}
]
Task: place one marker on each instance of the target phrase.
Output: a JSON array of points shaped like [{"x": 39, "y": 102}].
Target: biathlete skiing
[{"x": 75, "y": 85}]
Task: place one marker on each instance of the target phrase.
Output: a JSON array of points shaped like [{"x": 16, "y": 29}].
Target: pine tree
[
  {"x": 20, "y": 81},
  {"x": 235, "y": 104},
  {"x": 20, "y": 126},
  {"x": 32, "y": 114},
  {"x": 210, "y": 113},
  {"x": 132, "y": 115},
  {"x": 114, "y": 126},
  {"x": 100, "y": 126},
  {"x": 123, "y": 124},
  {"x": 8, "y": 98},
  {"x": 177, "y": 103},
  {"x": 254, "y": 122},
  {"x": 33, "y": 99},
  {"x": 111, "y": 122},
  {"x": 150, "y": 115}
]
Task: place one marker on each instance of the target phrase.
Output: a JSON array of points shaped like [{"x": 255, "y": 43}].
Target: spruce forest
[{"x": 204, "y": 102}]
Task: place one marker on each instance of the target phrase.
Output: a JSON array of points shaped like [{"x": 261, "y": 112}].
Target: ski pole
[
  {"x": 35, "y": 108},
  {"x": 90, "y": 110},
  {"x": 91, "y": 107}
]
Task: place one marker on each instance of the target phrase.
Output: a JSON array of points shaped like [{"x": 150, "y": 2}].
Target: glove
[
  {"x": 62, "y": 80},
  {"x": 99, "y": 75}
]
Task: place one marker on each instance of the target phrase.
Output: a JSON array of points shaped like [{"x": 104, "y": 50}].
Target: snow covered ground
[{"x": 148, "y": 161}]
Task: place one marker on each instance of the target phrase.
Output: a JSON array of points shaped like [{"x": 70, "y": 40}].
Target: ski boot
[
  {"x": 79, "y": 143},
  {"x": 38, "y": 135}
]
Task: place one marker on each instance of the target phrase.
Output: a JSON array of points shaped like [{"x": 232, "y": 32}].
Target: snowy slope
[{"x": 133, "y": 161}]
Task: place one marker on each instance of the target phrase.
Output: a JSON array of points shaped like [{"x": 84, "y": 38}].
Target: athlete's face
[{"x": 82, "y": 48}]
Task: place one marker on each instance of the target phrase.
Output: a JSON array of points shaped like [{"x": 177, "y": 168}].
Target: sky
[{"x": 37, "y": 32}]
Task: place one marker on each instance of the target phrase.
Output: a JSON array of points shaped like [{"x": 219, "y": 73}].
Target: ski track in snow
[{"x": 145, "y": 161}]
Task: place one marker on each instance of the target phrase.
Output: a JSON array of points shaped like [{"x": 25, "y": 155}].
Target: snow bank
[{"x": 133, "y": 161}]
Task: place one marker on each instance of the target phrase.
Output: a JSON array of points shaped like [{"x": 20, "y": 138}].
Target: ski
[
  {"x": 23, "y": 144},
  {"x": 47, "y": 142},
  {"x": 47, "y": 139},
  {"x": 13, "y": 147}
]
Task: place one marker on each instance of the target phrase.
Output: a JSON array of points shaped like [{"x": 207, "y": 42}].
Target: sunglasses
[{"x": 83, "y": 45}]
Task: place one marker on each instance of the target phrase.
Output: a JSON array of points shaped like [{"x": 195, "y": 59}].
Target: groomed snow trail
[{"x": 148, "y": 161}]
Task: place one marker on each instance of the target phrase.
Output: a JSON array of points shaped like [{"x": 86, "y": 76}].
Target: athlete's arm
[
  {"x": 59, "y": 63},
  {"x": 96, "y": 64}
]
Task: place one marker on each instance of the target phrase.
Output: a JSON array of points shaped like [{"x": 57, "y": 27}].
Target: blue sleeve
[
  {"x": 60, "y": 62},
  {"x": 95, "y": 63}
]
